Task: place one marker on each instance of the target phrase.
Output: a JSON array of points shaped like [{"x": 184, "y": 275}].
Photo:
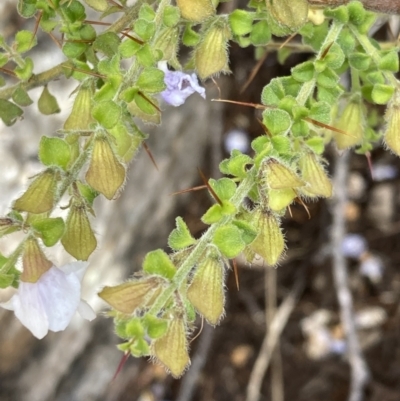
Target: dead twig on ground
[
  {"x": 271, "y": 339},
  {"x": 359, "y": 369}
]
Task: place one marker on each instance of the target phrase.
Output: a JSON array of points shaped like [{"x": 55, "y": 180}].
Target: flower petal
[
  {"x": 60, "y": 294},
  {"x": 78, "y": 268},
  {"x": 86, "y": 311},
  {"x": 29, "y": 309}
]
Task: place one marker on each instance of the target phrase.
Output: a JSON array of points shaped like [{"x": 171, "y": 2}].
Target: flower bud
[
  {"x": 352, "y": 122},
  {"x": 278, "y": 199},
  {"x": 196, "y": 10},
  {"x": 39, "y": 197},
  {"x": 81, "y": 116},
  {"x": 391, "y": 135},
  {"x": 269, "y": 243},
  {"x": 211, "y": 55},
  {"x": 278, "y": 176},
  {"x": 168, "y": 42},
  {"x": 290, "y": 14},
  {"x": 206, "y": 292},
  {"x": 105, "y": 174},
  {"x": 78, "y": 239},
  {"x": 318, "y": 183},
  {"x": 34, "y": 261},
  {"x": 172, "y": 348},
  {"x": 126, "y": 297}
]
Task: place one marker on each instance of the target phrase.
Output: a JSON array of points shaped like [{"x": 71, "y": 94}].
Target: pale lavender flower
[
  {"x": 51, "y": 302},
  {"x": 354, "y": 245},
  {"x": 179, "y": 85},
  {"x": 237, "y": 139}
]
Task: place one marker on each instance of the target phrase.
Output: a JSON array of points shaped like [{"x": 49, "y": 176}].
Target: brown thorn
[
  {"x": 255, "y": 105},
  {"x": 290, "y": 211},
  {"x": 201, "y": 329},
  {"x": 148, "y": 151},
  {"x": 35, "y": 29},
  {"x": 7, "y": 71},
  {"x": 55, "y": 40},
  {"x": 85, "y": 72},
  {"x": 323, "y": 125},
  {"x": 215, "y": 83},
  {"x": 305, "y": 207},
  {"x": 140, "y": 42},
  {"x": 287, "y": 41},
  {"x": 325, "y": 52},
  {"x": 146, "y": 98},
  {"x": 235, "y": 271},
  {"x": 184, "y": 191},
  {"x": 214, "y": 195},
  {"x": 266, "y": 130},
  {"x": 121, "y": 365},
  {"x": 88, "y": 21},
  {"x": 253, "y": 72},
  {"x": 369, "y": 161}
]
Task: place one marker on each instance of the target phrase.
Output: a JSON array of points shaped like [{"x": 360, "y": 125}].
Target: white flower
[{"x": 51, "y": 302}]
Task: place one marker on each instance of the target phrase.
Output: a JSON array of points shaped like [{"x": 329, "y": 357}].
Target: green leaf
[
  {"x": 237, "y": 164},
  {"x": 321, "y": 111},
  {"x": 260, "y": 34},
  {"x": 157, "y": 262},
  {"x": 24, "y": 41},
  {"x": 340, "y": 14},
  {"x": 128, "y": 48},
  {"x": 74, "y": 49},
  {"x": 229, "y": 240},
  {"x": 26, "y": 71},
  {"x": 6, "y": 280},
  {"x": 87, "y": 192},
  {"x": 330, "y": 95},
  {"x": 359, "y": 61},
  {"x": 54, "y": 152},
  {"x": 47, "y": 103},
  {"x": 9, "y": 112},
  {"x": 335, "y": 57},
  {"x": 27, "y": 8},
  {"x": 171, "y": 16},
  {"x": 147, "y": 12},
  {"x": 241, "y": 22},
  {"x": 281, "y": 144},
  {"x": 357, "y": 13},
  {"x": 107, "y": 113},
  {"x": 145, "y": 104},
  {"x": 151, "y": 80},
  {"x": 277, "y": 121},
  {"x": 213, "y": 214},
  {"x": 144, "y": 29},
  {"x": 190, "y": 38},
  {"x": 273, "y": 92},
  {"x": 389, "y": 62},
  {"x": 249, "y": 233},
  {"x": 156, "y": 327},
  {"x": 180, "y": 237},
  {"x": 381, "y": 94},
  {"x": 317, "y": 144},
  {"x": 303, "y": 72},
  {"x": 21, "y": 97},
  {"x": 328, "y": 78},
  {"x": 225, "y": 188},
  {"x": 50, "y": 230},
  {"x": 98, "y": 5},
  {"x": 107, "y": 43},
  {"x": 74, "y": 10},
  {"x": 145, "y": 56}
]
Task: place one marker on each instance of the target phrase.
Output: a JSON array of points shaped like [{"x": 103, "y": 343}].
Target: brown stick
[{"x": 380, "y": 6}]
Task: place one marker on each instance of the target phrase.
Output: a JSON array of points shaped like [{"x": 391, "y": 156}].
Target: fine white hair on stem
[{"x": 359, "y": 369}]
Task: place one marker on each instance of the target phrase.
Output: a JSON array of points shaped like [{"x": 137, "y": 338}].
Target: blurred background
[{"x": 310, "y": 362}]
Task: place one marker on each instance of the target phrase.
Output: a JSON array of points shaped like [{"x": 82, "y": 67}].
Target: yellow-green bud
[
  {"x": 196, "y": 10},
  {"x": 269, "y": 243},
  {"x": 40, "y": 195},
  {"x": 278, "y": 176},
  {"x": 34, "y": 261},
  {"x": 278, "y": 199},
  {"x": 127, "y": 297},
  {"x": 211, "y": 55},
  {"x": 206, "y": 292},
  {"x": 290, "y": 14},
  {"x": 105, "y": 174},
  {"x": 168, "y": 42},
  {"x": 391, "y": 135},
  {"x": 81, "y": 117},
  {"x": 352, "y": 122},
  {"x": 78, "y": 239},
  {"x": 172, "y": 348},
  {"x": 313, "y": 173}
]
